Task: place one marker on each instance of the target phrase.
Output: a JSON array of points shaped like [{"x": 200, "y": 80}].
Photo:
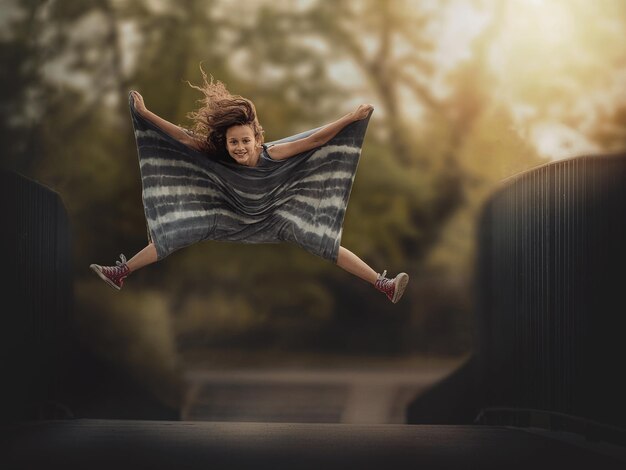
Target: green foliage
[
  {"x": 428, "y": 163},
  {"x": 19, "y": 77}
]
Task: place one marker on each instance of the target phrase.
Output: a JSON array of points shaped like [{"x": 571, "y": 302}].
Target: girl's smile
[{"x": 242, "y": 145}]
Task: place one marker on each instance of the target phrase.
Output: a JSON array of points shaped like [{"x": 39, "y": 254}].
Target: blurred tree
[
  {"x": 390, "y": 45},
  {"x": 19, "y": 76},
  {"x": 610, "y": 132},
  {"x": 428, "y": 163},
  {"x": 562, "y": 63}
]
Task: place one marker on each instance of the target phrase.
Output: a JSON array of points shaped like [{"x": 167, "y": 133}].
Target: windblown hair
[{"x": 219, "y": 111}]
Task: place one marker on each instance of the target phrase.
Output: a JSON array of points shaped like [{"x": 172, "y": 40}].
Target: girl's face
[{"x": 242, "y": 145}]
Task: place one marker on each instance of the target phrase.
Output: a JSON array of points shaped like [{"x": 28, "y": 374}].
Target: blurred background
[{"x": 466, "y": 93}]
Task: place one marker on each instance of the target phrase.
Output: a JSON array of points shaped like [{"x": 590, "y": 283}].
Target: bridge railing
[
  {"x": 551, "y": 284},
  {"x": 550, "y": 311},
  {"x": 37, "y": 293}
]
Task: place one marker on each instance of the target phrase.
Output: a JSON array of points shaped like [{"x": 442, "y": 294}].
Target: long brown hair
[{"x": 219, "y": 111}]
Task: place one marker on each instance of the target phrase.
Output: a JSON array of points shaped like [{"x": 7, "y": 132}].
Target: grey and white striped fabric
[{"x": 189, "y": 196}]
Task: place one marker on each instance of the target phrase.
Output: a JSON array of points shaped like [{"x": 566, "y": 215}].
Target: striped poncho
[{"x": 190, "y": 196}]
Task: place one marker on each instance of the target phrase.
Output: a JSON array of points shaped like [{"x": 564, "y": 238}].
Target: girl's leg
[
  {"x": 393, "y": 288},
  {"x": 355, "y": 265},
  {"x": 115, "y": 275},
  {"x": 145, "y": 257}
]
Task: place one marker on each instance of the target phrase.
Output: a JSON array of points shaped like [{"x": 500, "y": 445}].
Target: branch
[{"x": 421, "y": 91}]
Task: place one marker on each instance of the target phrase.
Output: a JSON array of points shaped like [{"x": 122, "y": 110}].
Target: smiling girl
[{"x": 227, "y": 126}]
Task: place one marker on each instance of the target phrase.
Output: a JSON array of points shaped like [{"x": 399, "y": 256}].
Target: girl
[{"x": 227, "y": 125}]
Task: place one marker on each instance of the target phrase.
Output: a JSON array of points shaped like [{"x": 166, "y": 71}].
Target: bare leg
[
  {"x": 355, "y": 265},
  {"x": 145, "y": 257}
]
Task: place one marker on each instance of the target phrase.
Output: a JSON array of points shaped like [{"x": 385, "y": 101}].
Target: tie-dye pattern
[{"x": 189, "y": 196}]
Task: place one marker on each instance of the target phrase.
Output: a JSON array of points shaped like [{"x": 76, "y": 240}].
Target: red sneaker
[
  {"x": 113, "y": 275},
  {"x": 393, "y": 288}
]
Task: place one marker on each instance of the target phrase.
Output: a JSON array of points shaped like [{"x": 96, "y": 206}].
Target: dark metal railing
[
  {"x": 37, "y": 292},
  {"x": 551, "y": 313}
]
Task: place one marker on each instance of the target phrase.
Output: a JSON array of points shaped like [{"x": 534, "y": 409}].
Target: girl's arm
[
  {"x": 171, "y": 129},
  {"x": 318, "y": 138}
]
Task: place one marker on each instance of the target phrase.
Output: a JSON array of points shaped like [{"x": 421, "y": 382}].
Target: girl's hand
[
  {"x": 362, "y": 111},
  {"x": 139, "y": 104}
]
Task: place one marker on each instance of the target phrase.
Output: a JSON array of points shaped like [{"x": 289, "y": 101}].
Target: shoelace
[
  {"x": 385, "y": 283},
  {"x": 118, "y": 269}
]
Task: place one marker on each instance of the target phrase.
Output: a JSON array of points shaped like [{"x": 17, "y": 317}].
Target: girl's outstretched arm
[
  {"x": 318, "y": 138},
  {"x": 171, "y": 129}
]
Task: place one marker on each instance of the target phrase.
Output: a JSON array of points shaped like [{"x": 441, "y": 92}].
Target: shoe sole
[
  {"x": 402, "y": 280},
  {"x": 96, "y": 268}
]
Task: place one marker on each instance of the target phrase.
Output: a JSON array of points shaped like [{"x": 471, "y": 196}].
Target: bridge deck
[{"x": 114, "y": 444}]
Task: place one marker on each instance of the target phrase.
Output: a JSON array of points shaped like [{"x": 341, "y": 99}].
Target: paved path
[{"x": 305, "y": 396}]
